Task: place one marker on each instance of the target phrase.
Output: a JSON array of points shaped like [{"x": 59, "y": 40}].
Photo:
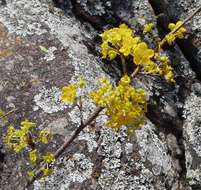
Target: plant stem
[
  {"x": 80, "y": 108},
  {"x": 8, "y": 113},
  {"x": 77, "y": 132},
  {"x": 177, "y": 28},
  {"x": 68, "y": 142},
  {"x": 135, "y": 72},
  {"x": 123, "y": 63}
]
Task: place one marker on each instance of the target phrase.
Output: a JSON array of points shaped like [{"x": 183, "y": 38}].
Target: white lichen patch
[
  {"x": 76, "y": 169},
  {"x": 192, "y": 136},
  {"x": 75, "y": 113},
  {"x": 193, "y": 176},
  {"x": 50, "y": 54},
  {"x": 109, "y": 146},
  {"x": 153, "y": 150},
  {"x": 49, "y": 100},
  {"x": 129, "y": 148},
  {"x": 116, "y": 175},
  {"x": 21, "y": 17},
  {"x": 192, "y": 115},
  {"x": 90, "y": 138},
  {"x": 133, "y": 177}
]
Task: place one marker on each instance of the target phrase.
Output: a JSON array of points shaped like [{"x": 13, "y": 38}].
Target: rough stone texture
[
  {"x": 43, "y": 49},
  {"x": 175, "y": 10},
  {"x": 192, "y": 133}
]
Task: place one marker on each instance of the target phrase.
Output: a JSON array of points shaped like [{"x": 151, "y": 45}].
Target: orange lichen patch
[
  {"x": 9, "y": 43},
  {"x": 5, "y": 53}
]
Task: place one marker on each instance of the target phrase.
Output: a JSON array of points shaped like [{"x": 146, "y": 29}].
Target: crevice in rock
[
  {"x": 3, "y": 2},
  {"x": 98, "y": 21},
  {"x": 169, "y": 125},
  {"x": 165, "y": 14}
]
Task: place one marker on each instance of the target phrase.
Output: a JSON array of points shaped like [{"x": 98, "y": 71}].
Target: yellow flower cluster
[
  {"x": 24, "y": 137},
  {"x": 124, "y": 104},
  {"x": 44, "y": 136},
  {"x": 148, "y": 28},
  {"x": 33, "y": 156},
  {"x": 17, "y": 139},
  {"x": 121, "y": 41},
  {"x": 118, "y": 41},
  {"x": 69, "y": 92},
  {"x": 180, "y": 33},
  {"x": 46, "y": 171},
  {"x": 142, "y": 55},
  {"x": 166, "y": 69},
  {"x": 49, "y": 157}
]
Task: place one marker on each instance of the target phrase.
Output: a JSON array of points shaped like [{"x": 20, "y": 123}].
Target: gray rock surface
[{"x": 47, "y": 49}]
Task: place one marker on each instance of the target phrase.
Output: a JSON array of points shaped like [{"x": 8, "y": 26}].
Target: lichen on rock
[{"x": 192, "y": 136}]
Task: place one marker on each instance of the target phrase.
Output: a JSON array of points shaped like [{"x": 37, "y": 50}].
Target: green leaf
[{"x": 44, "y": 49}]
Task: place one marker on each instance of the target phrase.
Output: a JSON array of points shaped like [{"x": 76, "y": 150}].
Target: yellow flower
[
  {"x": 125, "y": 80},
  {"x": 142, "y": 54},
  {"x": 164, "y": 59},
  {"x": 46, "y": 171},
  {"x": 180, "y": 33},
  {"x": 98, "y": 96},
  {"x": 33, "y": 156},
  {"x": 44, "y": 135},
  {"x": 9, "y": 136},
  {"x": 26, "y": 125},
  {"x": 105, "y": 48},
  {"x": 148, "y": 28},
  {"x": 17, "y": 139},
  {"x": 68, "y": 94},
  {"x": 128, "y": 43},
  {"x": 49, "y": 157},
  {"x": 112, "y": 54},
  {"x": 81, "y": 83},
  {"x": 166, "y": 69},
  {"x": 124, "y": 104},
  {"x": 30, "y": 173},
  {"x": 168, "y": 74},
  {"x": 170, "y": 38},
  {"x": 119, "y": 40},
  {"x": 151, "y": 68},
  {"x": 22, "y": 144}
]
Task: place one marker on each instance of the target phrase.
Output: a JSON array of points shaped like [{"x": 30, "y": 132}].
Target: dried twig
[
  {"x": 123, "y": 62},
  {"x": 8, "y": 113},
  {"x": 68, "y": 142},
  {"x": 136, "y": 71}
]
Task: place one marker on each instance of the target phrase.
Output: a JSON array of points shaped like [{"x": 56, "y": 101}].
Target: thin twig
[
  {"x": 8, "y": 113},
  {"x": 76, "y": 133},
  {"x": 80, "y": 106},
  {"x": 123, "y": 63},
  {"x": 177, "y": 28},
  {"x": 135, "y": 72},
  {"x": 67, "y": 142}
]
